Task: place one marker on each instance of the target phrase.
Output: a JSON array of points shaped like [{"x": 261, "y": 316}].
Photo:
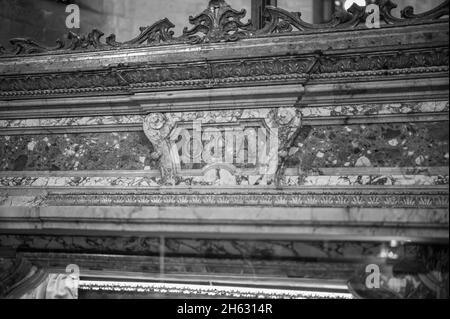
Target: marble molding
[
  {"x": 343, "y": 198},
  {"x": 307, "y": 223},
  {"x": 349, "y": 110},
  {"x": 223, "y": 177},
  {"x": 203, "y": 247},
  {"x": 197, "y": 291}
]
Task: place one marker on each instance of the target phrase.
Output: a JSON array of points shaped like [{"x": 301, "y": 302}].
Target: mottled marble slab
[
  {"x": 372, "y": 145},
  {"x": 368, "y": 145},
  {"x": 121, "y": 150}
]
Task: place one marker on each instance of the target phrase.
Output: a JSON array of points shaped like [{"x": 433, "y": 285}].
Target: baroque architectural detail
[
  {"x": 220, "y": 23},
  {"x": 135, "y": 77},
  {"x": 284, "y": 70},
  {"x": 282, "y": 199},
  {"x": 332, "y": 64},
  {"x": 156, "y": 33},
  {"x": 217, "y": 140},
  {"x": 282, "y": 21}
]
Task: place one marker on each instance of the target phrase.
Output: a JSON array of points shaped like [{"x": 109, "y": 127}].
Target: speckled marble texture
[
  {"x": 122, "y": 150},
  {"x": 372, "y": 145}
]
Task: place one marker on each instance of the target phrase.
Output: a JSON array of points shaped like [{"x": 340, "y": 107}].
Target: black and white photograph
[{"x": 224, "y": 154}]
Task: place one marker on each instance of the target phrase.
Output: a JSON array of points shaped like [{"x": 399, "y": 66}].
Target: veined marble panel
[
  {"x": 231, "y": 248},
  {"x": 376, "y": 109},
  {"x": 205, "y": 256},
  {"x": 307, "y": 112},
  {"x": 224, "y": 178},
  {"x": 72, "y": 121},
  {"x": 247, "y": 222}
]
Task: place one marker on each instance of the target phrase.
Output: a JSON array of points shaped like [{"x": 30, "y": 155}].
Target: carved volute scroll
[{"x": 221, "y": 23}]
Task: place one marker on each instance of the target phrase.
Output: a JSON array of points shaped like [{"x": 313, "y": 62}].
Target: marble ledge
[
  {"x": 201, "y": 247},
  {"x": 301, "y": 198},
  {"x": 307, "y": 112},
  {"x": 295, "y": 223},
  {"x": 224, "y": 178},
  {"x": 145, "y": 248}
]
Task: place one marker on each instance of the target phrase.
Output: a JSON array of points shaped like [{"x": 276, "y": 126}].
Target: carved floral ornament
[{"x": 221, "y": 23}]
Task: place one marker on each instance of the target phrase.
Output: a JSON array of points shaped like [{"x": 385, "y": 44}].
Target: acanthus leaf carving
[
  {"x": 156, "y": 33},
  {"x": 221, "y": 74},
  {"x": 219, "y": 22},
  {"x": 282, "y": 21}
]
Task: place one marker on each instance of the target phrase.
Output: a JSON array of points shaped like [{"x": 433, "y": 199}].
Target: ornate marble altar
[{"x": 124, "y": 156}]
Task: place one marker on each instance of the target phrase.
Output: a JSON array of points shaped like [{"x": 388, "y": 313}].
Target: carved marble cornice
[
  {"x": 286, "y": 198},
  {"x": 221, "y": 23},
  {"x": 137, "y": 77}
]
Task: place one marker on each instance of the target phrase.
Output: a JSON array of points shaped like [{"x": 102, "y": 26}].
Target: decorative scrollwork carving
[
  {"x": 221, "y": 23},
  {"x": 281, "y": 21},
  {"x": 73, "y": 42},
  {"x": 156, "y": 33},
  {"x": 28, "y": 46},
  {"x": 407, "y": 14}
]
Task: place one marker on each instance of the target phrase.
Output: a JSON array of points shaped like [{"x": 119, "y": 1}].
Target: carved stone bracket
[
  {"x": 220, "y": 142},
  {"x": 220, "y": 23}
]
